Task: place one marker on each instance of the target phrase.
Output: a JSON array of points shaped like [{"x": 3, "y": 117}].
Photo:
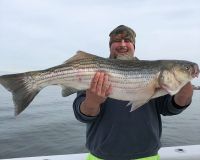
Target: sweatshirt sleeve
[
  {"x": 167, "y": 106},
  {"x": 76, "y": 107}
]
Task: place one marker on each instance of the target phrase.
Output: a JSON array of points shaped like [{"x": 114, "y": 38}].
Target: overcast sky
[{"x": 37, "y": 34}]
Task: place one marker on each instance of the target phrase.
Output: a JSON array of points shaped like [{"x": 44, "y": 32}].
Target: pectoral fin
[
  {"x": 159, "y": 92},
  {"x": 138, "y": 103},
  {"x": 66, "y": 91}
]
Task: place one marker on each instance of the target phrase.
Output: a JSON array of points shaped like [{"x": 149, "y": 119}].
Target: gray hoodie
[{"x": 118, "y": 134}]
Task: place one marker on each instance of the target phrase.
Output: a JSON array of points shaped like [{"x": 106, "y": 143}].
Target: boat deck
[{"x": 191, "y": 152}]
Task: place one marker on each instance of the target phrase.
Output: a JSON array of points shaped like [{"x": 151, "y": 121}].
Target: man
[{"x": 114, "y": 133}]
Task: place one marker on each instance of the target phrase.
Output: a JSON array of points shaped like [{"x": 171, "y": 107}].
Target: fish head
[
  {"x": 185, "y": 70},
  {"x": 175, "y": 74}
]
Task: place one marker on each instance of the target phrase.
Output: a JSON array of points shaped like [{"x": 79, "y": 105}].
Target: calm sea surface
[{"x": 48, "y": 126}]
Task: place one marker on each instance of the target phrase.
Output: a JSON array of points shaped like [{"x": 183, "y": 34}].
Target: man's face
[{"x": 121, "y": 46}]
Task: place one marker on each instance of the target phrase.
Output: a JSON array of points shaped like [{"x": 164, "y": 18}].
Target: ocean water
[{"x": 48, "y": 126}]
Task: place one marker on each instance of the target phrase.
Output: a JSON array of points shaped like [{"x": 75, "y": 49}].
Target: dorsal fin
[{"x": 80, "y": 55}]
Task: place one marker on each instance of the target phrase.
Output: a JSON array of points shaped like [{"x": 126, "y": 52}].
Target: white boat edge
[{"x": 190, "y": 152}]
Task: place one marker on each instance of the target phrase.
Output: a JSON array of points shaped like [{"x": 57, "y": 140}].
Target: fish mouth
[{"x": 195, "y": 72}]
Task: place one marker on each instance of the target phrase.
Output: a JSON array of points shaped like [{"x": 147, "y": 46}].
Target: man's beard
[
  {"x": 122, "y": 51},
  {"x": 122, "y": 57}
]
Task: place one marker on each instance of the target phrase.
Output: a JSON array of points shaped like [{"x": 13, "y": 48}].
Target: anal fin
[{"x": 66, "y": 91}]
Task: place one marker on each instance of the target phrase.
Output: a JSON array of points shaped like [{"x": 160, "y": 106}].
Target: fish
[{"x": 135, "y": 81}]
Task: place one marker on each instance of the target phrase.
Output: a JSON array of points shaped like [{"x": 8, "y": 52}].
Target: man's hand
[
  {"x": 184, "y": 96},
  {"x": 99, "y": 90}
]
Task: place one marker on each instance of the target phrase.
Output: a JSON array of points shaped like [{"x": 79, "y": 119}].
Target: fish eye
[{"x": 187, "y": 67}]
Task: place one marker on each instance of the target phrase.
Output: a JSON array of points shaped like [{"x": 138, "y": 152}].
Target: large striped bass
[{"x": 136, "y": 81}]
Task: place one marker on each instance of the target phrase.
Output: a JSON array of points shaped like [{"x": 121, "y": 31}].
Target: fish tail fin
[{"x": 22, "y": 88}]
